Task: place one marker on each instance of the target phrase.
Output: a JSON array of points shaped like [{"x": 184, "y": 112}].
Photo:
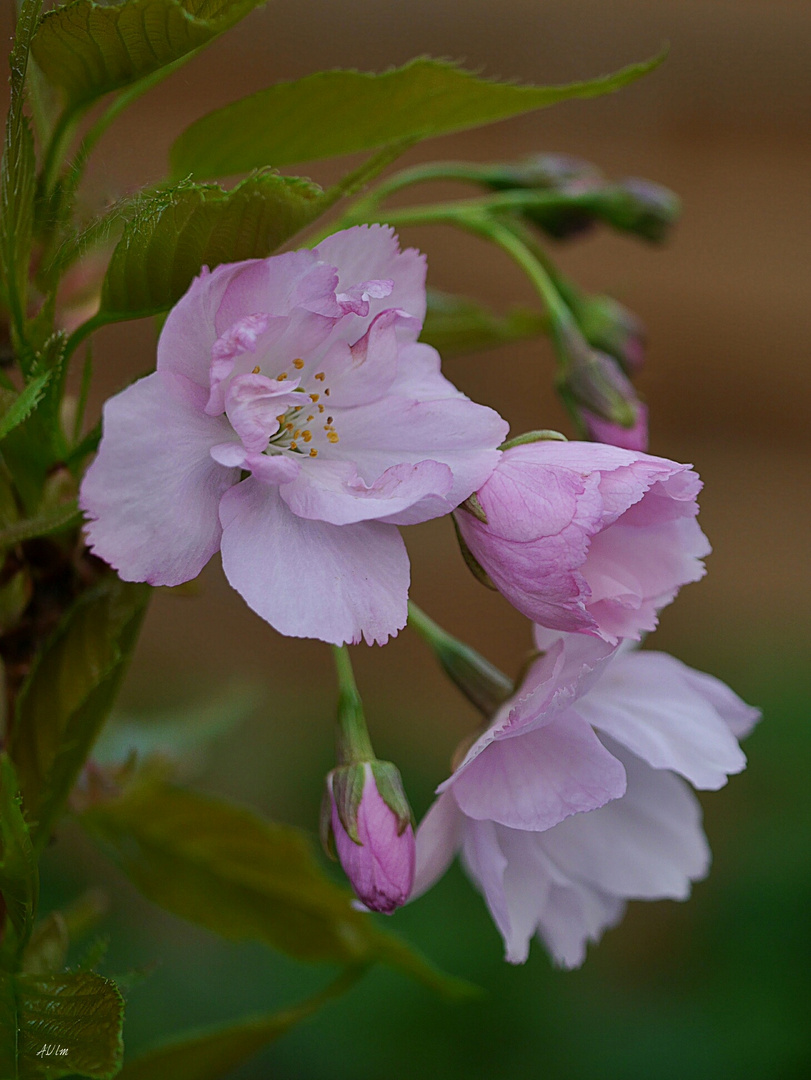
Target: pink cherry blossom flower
[
  {"x": 293, "y": 422},
  {"x": 379, "y": 861},
  {"x": 588, "y": 537},
  {"x": 572, "y": 802}
]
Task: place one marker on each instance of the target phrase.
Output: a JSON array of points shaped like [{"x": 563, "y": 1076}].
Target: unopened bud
[
  {"x": 610, "y": 327},
  {"x": 629, "y": 438},
  {"x": 640, "y": 206},
  {"x": 367, "y": 822},
  {"x": 596, "y": 383},
  {"x": 559, "y": 173}
]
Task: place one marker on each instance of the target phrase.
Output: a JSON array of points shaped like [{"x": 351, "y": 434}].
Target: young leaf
[
  {"x": 214, "y": 1052},
  {"x": 88, "y": 49},
  {"x": 19, "y": 407},
  {"x": 19, "y": 876},
  {"x": 47, "y": 950},
  {"x": 242, "y": 877},
  {"x": 457, "y": 325},
  {"x": 342, "y": 112},
  {"x": 176, "y": 232},
  {"x": 68, "y": 694},
  {"x": 60, "y": 1025}
]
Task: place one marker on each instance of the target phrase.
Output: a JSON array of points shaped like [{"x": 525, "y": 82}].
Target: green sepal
[
  {"x": 390, "y": 789},
  {"x": 471, "y": 562},
  {"x": 541, "y": 435},
  {"x": 346, "y": 784},
  {"x": 473, "y": 506}
]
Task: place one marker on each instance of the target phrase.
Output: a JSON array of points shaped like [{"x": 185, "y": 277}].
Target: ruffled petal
[
  {"x": 455, "y": 432},
  {"x": 152, "y": 494},
  {"x": 332, "y": 490},
  {"x": 649, "y": 845},
  {"x": 645, "y": 701},
  {"x": 339, "y": 583},
  {"x": 189, "y": 333},
  {"x": 539, "y": 778},
  {"x": 371, "y": 253}
]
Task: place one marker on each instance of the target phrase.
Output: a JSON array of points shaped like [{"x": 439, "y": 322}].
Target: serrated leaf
[
  {"x": 19, "y": 407},
  {"x": 60, "y": 1025},
  {"x": 341, "y": 112},
  {"x": 89, "y": 49},
  {"x": 17, "y": 180},
  {"x": 240, "y": 876},
  {"x": 457, "y": 325},
  {"x": 211, "y": 1053},
  {"x": 178, "y": 231},
  {"x": 68, "y": 694},
  {"x": 19, "y": 874}
]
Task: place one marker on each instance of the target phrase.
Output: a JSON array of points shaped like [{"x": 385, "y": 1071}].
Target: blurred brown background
[{"x": 726, "y": 123}]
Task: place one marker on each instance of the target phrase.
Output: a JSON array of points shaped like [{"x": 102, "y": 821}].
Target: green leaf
[
  {"x": 68, "y": 694},
  {"x": 456, "y": 325},
  {"x": 54, "y": 520},
  {"x": 17, "y": 180},
  {"x": 60, "y": 1025},
  {"x": 212, "y": 1053},
  {"x": 88, "y": 49},
  {"x": 342, "y": 112},
  {"x": 178, "y": 231},
  {"x": 19, "y": 407},
  {"x": 242, "y": 877},
  {"x": 19, "y": 875}
]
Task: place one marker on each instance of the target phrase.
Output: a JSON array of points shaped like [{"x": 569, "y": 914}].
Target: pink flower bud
[{"x": 373, "y": 832}]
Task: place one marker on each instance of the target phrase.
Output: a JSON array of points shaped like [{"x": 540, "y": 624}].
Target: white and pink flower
[
  {"x": 294, "y": 421},
  {"x": 572, "y": 801}
]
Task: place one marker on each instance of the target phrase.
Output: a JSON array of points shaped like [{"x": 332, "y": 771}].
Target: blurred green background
[{"x": 717, "y": 987}]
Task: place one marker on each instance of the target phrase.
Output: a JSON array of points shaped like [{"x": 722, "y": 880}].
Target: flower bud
[
  {"x": 641, "y": 207},
  {"x": 368, "y": 823},
  {"x": 554, "y": 173},
  {"x": 594, "y": 382},
  {"x": 612, "y": 329}
]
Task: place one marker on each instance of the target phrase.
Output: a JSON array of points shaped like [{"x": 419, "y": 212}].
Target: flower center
[{"x": 309, "y": 427}]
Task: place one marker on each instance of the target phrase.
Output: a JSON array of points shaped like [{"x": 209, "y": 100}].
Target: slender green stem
[
  {"x": 353, "y": 742},
  {"x": 479, "y": 680},
  {"x": 84, "y": 391},
  {"x": 58, "y": 146}
]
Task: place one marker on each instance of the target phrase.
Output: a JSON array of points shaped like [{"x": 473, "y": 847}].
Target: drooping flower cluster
[
  {"x": 572, "y": 801},
  {"x": 294, "y": 423}
]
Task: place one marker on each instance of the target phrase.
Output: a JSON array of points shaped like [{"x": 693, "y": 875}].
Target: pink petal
[
  {"x": 649, "y": 845},
  {"x": 339, "y": 583},
  {"x": 456, "y": 432},
  {"x": 152, "y": 494},
  {"x": 645, "y": 702},
  {"x": 184, "y": 346},
  {"x": 438, "y": 838},
  {"x": 536, "y": 779},
  {"x": 332, "y": 490},
  {"x": 371, "y": 252},
  {"x": 275, "y": 286}
]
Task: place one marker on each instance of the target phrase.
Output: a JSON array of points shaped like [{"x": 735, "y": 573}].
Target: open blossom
[
  {"x": 613, "y": 728},
  {"x": 588, "y": 537},
  {"x": 293, "y": 422}
]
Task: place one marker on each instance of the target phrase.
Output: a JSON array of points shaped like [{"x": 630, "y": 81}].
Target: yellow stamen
[
  {"x": 332, "y": 436},
  {"x": 314, "y": 397},
  {"x": 298, "y": 364},
  {"x": 293, "y": 446},
  {"x": 256, "y": 370},
  {"x": 288, "y": 427},
  {"x": 282, "y": 377},
  {"x": 310, "y": 417},
  {"x": 320, "y": 408},
  {"x": 306, "y": 435},
  {"x": 280, "y": 417},
  {"x": 313, "y": 453},
  {"x": 326, "y": 392},
  {"x": 320, "y": 376}
]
